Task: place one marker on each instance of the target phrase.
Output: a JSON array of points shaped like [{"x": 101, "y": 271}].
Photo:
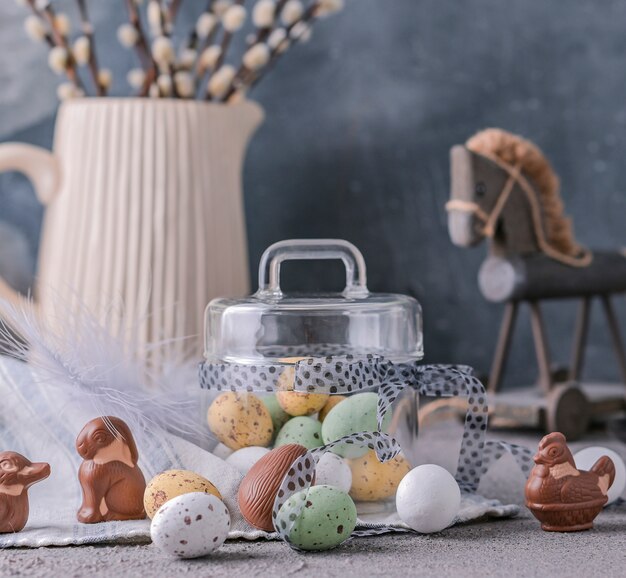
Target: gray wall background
[{"x": 355, "y": 144}]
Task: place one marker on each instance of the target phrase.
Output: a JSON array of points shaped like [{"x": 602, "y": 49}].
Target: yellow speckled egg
[
  {"x": 171, "y": 484},
  {"x": 240, "y": 420},
  {"x": 333, "y": 400},
  {"x": 297, "y": 403},
  {"x": 372, "y": 480}
]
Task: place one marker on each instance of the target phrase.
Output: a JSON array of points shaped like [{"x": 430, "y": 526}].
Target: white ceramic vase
[{"x": 144, "y": 212}]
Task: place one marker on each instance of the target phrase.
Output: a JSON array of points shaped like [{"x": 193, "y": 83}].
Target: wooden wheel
[{"x": 567, "y": 411}]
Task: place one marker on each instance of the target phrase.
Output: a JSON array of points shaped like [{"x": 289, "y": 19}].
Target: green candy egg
[
  {"x": 327, "y": 520},
  {"x": 302, "y": 430},
  {"x": 356, "y": 414},
  {"x": 279, "y": 416}
]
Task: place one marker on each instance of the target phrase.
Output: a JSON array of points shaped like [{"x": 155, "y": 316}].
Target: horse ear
[{"x": 123, "y": 430}]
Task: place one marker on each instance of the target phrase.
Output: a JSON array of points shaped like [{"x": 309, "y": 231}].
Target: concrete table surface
[{"x": 514, "y": 547}]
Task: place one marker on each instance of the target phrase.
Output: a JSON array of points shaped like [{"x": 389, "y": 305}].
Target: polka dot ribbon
[{"x": 346, "y": 374}]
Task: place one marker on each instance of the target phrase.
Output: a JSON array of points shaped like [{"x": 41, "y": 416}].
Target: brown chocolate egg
[{"x": 259, "y": 487}]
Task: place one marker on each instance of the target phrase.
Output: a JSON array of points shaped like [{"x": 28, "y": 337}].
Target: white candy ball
[
  {"x": 586, "y": 458},
  {"x": 191, "y": 525},
  {"x": 245, "y": 458},
  {"x": 333, "y": 470},
  {"x": 428, "y": 499}
]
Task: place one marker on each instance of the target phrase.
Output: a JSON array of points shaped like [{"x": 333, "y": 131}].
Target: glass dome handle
[{"x": 312, "y": 249}]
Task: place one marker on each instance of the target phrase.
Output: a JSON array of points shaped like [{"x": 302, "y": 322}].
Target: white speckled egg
[
  {"x": 332, "y": 470},
  {"x": 586, "y": 458},
  {"x": 428, "y": 499},
  {"x": 191, "y": 525},
  {"x": 245, "y": 458}
]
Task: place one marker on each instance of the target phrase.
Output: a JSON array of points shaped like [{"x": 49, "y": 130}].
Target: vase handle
[{"x": 42, "y": 168}]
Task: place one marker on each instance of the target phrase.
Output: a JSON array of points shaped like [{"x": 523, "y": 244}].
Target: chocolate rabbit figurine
[
  {"x": 17, "y": 474},
  {"x": 112, "y": 483}
]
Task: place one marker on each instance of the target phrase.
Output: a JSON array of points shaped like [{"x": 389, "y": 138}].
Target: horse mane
[{"x": 516, "y": 151}]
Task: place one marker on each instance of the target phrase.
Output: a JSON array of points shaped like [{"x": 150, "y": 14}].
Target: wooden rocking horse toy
[{"x": 504, "y": 190}]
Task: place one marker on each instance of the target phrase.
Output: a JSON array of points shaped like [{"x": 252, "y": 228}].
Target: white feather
[{"x": 86, "y": 364}]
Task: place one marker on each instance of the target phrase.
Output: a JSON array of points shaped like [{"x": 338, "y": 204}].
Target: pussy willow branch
[
  {"x": 246, "y": 78},
  {"x": 309, "y": 16},
  {"x": 87, "y": 29},
  {"x": 206, "y": 42},
  {"x": 167, "y": 27},
  {"x": 142, "y": 48},
  {"x": 262, "y": 34},
  {"x": 55, "y": 38},
  {"x": 48, "y": 36},
  {"x": 172, "y": 11},
  {"x": 226, "y": 40}
]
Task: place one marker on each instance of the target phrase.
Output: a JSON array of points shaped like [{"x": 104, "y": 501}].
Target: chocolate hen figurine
[
  {"x": 17, "y": 474},
  {"x": 561, "y": 497},
  {"x": 112, "y": 483}
]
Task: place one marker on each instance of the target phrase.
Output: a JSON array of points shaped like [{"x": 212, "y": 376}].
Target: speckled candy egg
[
  {"x": 279, "y": 416},
  {"x": 326, "y": 521},
  {"x": 305, "y": 431},
  {"x": 297, "y": 403},
  {"x": 171, "y": 484},
  {"x": 240, "y": 420},
  {"x": 245, "y": 458},
  {"x": 191, "y": 525},
  {"x": 373, "y": 480},
  {"x": 428, "y": 499},
  {"x": 331, "y": 470},
  {"x": 357, "y": 413},
  {"x": 333, "y": 400}
]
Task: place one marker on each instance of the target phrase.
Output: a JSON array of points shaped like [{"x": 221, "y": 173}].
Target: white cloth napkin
[{"x": 37, "y": 424}]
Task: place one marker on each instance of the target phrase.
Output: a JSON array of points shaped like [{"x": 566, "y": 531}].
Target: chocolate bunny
[
  {"x": 111, "y": 481},
  {"x": 17, "y": 474}
]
